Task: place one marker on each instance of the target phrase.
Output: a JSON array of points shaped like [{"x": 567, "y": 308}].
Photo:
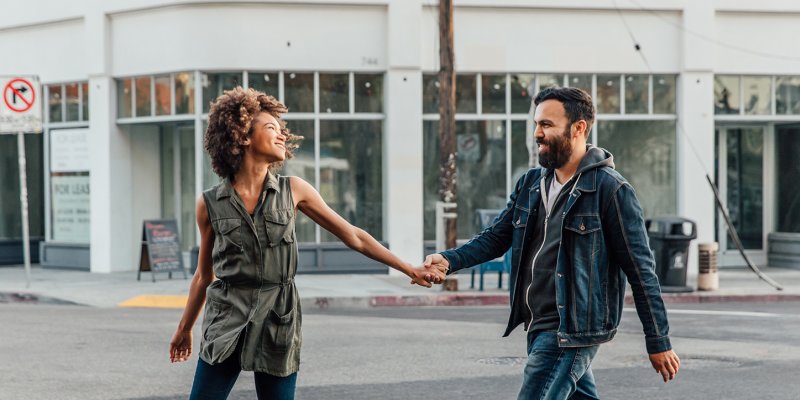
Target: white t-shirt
[{"x": 552, "y": 195}]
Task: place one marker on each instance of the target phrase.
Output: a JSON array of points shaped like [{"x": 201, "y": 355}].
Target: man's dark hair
[{"x": 577, "y": 103}]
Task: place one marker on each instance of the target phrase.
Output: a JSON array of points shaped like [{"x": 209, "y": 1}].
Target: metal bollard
[{"x": 708, "y": 274}]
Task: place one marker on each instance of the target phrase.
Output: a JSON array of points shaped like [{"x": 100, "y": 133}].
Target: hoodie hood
[{"x": 595, "y": 157}]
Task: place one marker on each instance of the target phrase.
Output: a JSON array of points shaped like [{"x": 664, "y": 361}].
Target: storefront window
[
  {"x": 636, "y": 94},
  {"x": 54, "y": 103},
  {"x": 302, "y": 166},
  {"x": 664, "y": 94},
  {"x": 143, "y": 97},
  {"x": 430, "y": 94},
  {"x": 334, "y": 93},
  {"x": 726, "y": 94},
  {"x": 10, "y": 213},
  {"x": 73, "y": 100},
  {"x": 298, "y": 92},
  {"x": 184, "y": 93},
  {"x": 481, "y": 165},
  {"x": 583, "y": 82},
  {"x": 264, "y": 82},
  {"x": 124, "y": 98},
  {"x": 369, "y": 93},
  {"x": 787, "y": 145},
  {"x": 214, "y": 84},
  {"x": 351, "y": 171},
  {"x": 522, "y": 92},
  {"x": 757, "y": 92},
  {"x": 608, "y": 101},
  {"x": 163, "y": 95},
  {"x": 493, "y": 94},
  {"x": 85, "y": 101},
  {"x": 787, "y": 95},
  {"x": 466, "y": 94},
  {"x": 645, "y": 154}
]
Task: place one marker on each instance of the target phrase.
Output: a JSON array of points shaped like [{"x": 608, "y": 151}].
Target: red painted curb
[
  {"x": 728, "y": 298},
  {"x": 439, "y": 300}
]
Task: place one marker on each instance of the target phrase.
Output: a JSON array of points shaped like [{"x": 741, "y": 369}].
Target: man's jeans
[{"x": 557, "y": 373}]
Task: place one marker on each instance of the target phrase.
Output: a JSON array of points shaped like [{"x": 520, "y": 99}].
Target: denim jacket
[{"x": 604, "y": 241}]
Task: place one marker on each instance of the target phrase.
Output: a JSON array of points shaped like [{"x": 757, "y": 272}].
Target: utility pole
[{"x": 447, "y": 123}]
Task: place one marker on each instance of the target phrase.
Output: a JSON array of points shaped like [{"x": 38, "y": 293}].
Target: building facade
[{"x": 713, "y": 88}]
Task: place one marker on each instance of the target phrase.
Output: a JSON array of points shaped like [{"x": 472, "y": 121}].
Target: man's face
[{"x": 553, "y": 134}]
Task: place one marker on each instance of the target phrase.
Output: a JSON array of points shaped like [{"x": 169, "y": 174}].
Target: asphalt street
[{"x": 729, "y": 351}]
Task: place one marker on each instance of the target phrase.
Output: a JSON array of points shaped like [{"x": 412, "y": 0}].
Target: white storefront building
[{"x": 714, "y": 87}]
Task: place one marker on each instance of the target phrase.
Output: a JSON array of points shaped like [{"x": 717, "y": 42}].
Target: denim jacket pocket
[
  {"x": 520, "y": 217},
  {"x": 583, "y": 224}
]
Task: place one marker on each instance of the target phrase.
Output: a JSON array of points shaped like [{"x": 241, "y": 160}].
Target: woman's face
[{"x": 266, "y": 139}]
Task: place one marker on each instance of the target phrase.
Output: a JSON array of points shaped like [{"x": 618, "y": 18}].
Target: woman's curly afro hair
[{"x": 229, "y": 124}]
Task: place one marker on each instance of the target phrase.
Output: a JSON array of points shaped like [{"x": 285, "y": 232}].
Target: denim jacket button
[
  {"x": 560, "y": 276},
  {"x": 583, "y": 227}
]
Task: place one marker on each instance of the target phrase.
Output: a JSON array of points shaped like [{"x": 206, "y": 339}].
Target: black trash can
[
  {"x": 193, "y": 255},
  {"x": 670, "y": 238}
]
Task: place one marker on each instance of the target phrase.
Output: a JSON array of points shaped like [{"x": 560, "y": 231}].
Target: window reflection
[
  {"x": 466, "y": 94},
  {"x": 644, "y": 153},
  {"x": 787, "y": 95},
  {"x": 124, "y": 98},
  {"x": 481, "y": 164},
  {"x": 493, "y": 94},
  {"x": 264, "y": 82},
  {"x": 550, "y": 80},
  {"x": 184, "y": 93},
  {"x": 334, "y": 93},
  {"x": 351, "y": 171},
  {"x": 163, "y": 95},
  {"x": 522, "y": 92},
  {"x": 143, "y": 96},
  {"x": 664, "y": 94},
  {"x": 583, "y": 82},
  {"x": 726, "y": 94},
  {"x": 369, "y": 93},
  {"x": 85, "y": 101},
  {"x": 302, "y": 166},
  {"x": 214, "y": 84},
  {"x": 757, "y": 95},
  {"x": 430, "y": 94},
  {"x": 298, "y": 92},
  {"x": 73, "y": 101},
  {"x": 787, "y": 141},
  {"x": 636, "y": 94},
  {"x": 54, "y": 103},
  {"x": 608, "y": 101}
]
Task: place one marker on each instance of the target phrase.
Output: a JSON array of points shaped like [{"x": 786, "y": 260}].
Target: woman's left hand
[{"x": 425, "y": 276}]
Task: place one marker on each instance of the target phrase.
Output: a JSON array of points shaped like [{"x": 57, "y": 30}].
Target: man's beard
[{"x": 559, "y": 150}]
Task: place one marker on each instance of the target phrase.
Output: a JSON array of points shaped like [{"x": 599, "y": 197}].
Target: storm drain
[{"x": 503, "y": 361}]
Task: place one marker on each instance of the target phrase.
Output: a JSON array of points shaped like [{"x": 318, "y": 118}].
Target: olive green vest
[{"x": 254, "y": 300}]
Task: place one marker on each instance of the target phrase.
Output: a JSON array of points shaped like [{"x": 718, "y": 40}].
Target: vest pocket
[
  {"x": 229, "y": 238},
  {"x": 280, "y": 330},
  {"x": 280, "y": 226},
  {"x": 214, "y": 318}
]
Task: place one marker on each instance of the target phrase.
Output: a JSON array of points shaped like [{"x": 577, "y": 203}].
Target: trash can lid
[{"x": 671, "y": 227}]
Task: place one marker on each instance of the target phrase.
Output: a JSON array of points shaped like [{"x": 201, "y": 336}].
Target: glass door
[
  {"x": 787, "y": 176},
  {"x": 740, "y": 175},
  {"x": 177, "y": 178}
]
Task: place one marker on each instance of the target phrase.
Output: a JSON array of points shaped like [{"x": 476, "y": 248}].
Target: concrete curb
[
  {"x": 441, "y": 300},
  {"x": 688, "y": 298}
]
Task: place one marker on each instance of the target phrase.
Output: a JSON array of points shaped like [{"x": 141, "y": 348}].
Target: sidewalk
[{"x": 326, "y": 291}]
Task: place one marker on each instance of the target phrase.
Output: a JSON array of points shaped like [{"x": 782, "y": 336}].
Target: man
[{"x": 576, "y": 231}]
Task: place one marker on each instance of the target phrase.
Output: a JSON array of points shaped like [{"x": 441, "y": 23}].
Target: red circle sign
[{"x": 19, "y": 94}]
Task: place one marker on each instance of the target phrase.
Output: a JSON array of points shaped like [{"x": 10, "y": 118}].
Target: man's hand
[
  {"x": 436, "y": 262},
  {"x": 424, "y": 276},
  {"x": 666, "y": 364}
]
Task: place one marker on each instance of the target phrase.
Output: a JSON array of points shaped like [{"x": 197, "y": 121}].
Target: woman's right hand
[{"x": 180, "y": 347}]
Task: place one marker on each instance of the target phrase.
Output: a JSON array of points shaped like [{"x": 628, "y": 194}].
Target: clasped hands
[{"x": 433, "y": 270}]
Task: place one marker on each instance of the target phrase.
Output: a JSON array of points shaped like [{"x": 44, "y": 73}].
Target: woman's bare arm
[
  {"x": 181, "y": 344},
  {"x": 309, "y": 201}
]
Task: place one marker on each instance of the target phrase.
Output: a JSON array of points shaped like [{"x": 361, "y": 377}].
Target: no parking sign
[{"x": 20, "y": 109}]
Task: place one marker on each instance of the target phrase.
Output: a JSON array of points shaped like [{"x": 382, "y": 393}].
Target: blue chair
[{"x": 500, "y": 264}]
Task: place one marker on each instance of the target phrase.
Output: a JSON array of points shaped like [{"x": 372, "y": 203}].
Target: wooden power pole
[{"x": 447, "y": 122}]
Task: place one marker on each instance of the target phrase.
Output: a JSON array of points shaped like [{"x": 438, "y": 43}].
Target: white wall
[
  {"x": 759, "y": 44},
  {"x": 53, "y": 51},
  {"x": 555, "y": 40},
  {"x": 249, "y": 36},
  {"x": 145, "y": 170}
]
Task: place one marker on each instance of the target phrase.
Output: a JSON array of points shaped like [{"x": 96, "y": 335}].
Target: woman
[{"x": 247, "y": 241}]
